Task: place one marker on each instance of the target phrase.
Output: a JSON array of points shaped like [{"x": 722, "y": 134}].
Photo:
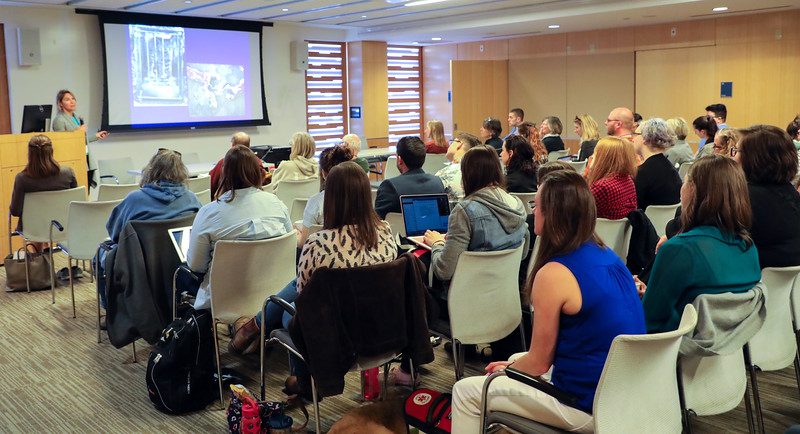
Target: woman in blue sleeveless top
[{"x": 583, "y": 297}]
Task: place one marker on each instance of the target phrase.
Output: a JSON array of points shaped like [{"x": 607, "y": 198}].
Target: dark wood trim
[{"x": 5, "y": 98}]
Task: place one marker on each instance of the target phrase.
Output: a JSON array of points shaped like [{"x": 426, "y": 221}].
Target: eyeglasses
[
  {"x": 734, "y": 151},
  {"x": 489, "y": 119},
  {"x": 160, "y": 150}
]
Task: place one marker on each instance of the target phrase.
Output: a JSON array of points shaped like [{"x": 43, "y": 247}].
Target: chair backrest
[
  {"x": 117, "y": 169},
  {"x": 638, "y": 389},
  {"x": 555, "y": 155},
  {"x": 390, "y": 169},
  {"x": 684, "y": 169},
  {"x": 107, "y": 192},
  {"x": 314, "y": 228},
  {"x": 434, "y": 162},
  {"x": 396, "y": 222},
  {"x": 199, "y": 184},
  {"x": 287, "y": 190},
  {"x": 483, "y": 300},
  {"x": 616, "y": 234},
  {"x": 204, "y": 196},
  {"x": 245, "y": 273},
  {"x": 579, "y": 166},
  {"x": 190, "y": 157},
  {"x": 660, "y": 215},
  {"x": 374, "y": 193},
  {"x": 527, "y": 199},
  {"x": 40, "y": 208},
  {"x": 86, "y": 224},
  {"x": 774, "y": 346},
  {"x": 534, "y": 254},
  {"x": 296, "y": 211}
]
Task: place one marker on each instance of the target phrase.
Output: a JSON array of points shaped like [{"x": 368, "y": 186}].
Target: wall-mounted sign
[
  {"x": 355, "y": 112},
  {"x": 726, "y": 89}
]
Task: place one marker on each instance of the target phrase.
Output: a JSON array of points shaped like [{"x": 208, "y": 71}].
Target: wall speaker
[
  {"x": 28, "y": 47},
  {"x": 299, "y": 55}
]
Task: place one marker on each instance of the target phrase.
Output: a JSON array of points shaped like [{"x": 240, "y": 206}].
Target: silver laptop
[
  {"x": 180, "y": 240},
  {"x": 423, "y": 212}
]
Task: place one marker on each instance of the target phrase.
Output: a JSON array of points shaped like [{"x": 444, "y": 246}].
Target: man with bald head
[
  {"x": 620, "y": 123},
  {"x": 240, "y": 138}
]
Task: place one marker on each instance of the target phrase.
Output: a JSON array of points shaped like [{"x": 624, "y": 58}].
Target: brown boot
[{"x": 246, "y": 336}]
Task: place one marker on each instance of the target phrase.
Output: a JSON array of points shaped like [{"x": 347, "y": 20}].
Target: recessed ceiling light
[
  {"x": 720, "y": 9},
  {"x": 363, "y": 16},
  {"x": 415, "y": 43},
  {"x": 553, "y": 26},
  {"x": 423, "y": 2},
  {"x": 188, "y": 2},
  {"x": 285, "y": 10},
  {"x": 436, "y": 39}
]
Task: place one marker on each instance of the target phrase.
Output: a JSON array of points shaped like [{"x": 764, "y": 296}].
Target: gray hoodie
[{"x": 488, "y": 220}]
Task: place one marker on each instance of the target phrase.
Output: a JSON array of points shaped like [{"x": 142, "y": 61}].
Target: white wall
[{"x": 71, "y": 59}]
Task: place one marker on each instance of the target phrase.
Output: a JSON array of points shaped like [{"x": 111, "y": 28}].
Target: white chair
[
  {"x": 555, "y": 155},
  {"x": 396, "y": 222},
  {"x": 684, "y": 169},
  {"x": 534, "y": 254},
  {"x": 86, "y": 224},
  {"x": 579, "y": 166},
  {"x": 190, "y": 157},
  {"x": 38, "y": 211},
  {"x": 483, "y": 282},
  {"x": 314, "y": 228},
  {"x": 201, "y": 183},
  {"x": 115, "y": 170},
  {"x": 107, "y": 192},
  {"x": 240, "y": 278},
  {"x": 296, "y": 211},
  {"x": 616, "y": 234},
  {"x": 774, "y": 347},
  {"x": 390, "y": 169},
  {"x": 374, "y": 193},
  {"x": 204, "y": 196},
  {"x": 660, "y": 215},
  {"x": 637, "y": 391},
  {"x": 527, "y": 200},
  {"x": 434, "y": 162},
  {"x": 287, "y": 191}
]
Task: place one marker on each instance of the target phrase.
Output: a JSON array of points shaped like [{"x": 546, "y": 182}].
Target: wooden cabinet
[{"x": 69, "y": 148}]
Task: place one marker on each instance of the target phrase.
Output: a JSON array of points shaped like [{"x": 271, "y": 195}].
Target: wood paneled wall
[
  {"x": 369, "y": 89},
  {"x": 664, "y": 70},
  {"x": 480, "y": 90},
  {"x": 436, "y": 89}
]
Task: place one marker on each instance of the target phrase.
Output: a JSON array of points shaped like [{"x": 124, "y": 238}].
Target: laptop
[
  {"x": 180, "y": 240},
  {"x": 423, "y": 212}
]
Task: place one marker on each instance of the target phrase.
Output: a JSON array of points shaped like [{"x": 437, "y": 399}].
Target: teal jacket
[{"x": 702, "y": 261}]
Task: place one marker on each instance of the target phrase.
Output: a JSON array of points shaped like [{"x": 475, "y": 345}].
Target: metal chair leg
[
  {"x": 522, "y": 334},
  {"x": 219, "y": 367},
  {"x": 413, "y": 374},
  {"x": 71, "y": 283},
  {"x": 456, "y": 353},
  {"x": 316, "y": 406},
  {"x": 27, "y": 277},
  {"x": 97, "y": 293},
  {"x": 685, "y": 420},
  {"x": 754, "y": 381},
  {"x": 52, "y": 271},
  {"x": 133, "y": 344}
]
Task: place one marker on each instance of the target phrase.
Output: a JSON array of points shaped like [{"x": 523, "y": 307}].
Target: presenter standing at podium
[{"x": 68, "y": 120}]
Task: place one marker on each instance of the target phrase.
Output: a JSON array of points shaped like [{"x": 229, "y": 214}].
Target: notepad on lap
[{"x": 423, "y": 212}]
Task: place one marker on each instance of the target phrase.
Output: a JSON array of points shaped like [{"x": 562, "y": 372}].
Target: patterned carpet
[{"x": 55, "y": 377}]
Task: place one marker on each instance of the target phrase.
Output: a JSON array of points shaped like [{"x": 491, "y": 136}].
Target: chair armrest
[
  {"x": 565, "y": 397},
  {"x": 283, "y": 304},
  {"x": 192, "y": 275},
  {"x": 110, "y": 176},
  {"x": 58, "y": 225}
]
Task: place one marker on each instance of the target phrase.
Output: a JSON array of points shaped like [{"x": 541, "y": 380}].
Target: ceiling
[{"x": 402, "y": 21}]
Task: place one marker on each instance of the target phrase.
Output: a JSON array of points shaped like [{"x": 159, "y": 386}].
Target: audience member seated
[
  {"x": 713, "y": 254},
  {"x": 515, "y": 118},
  {"x": 517, "y": 156},
  {"x": 490, "y": 132},
  {"x": 434, "y": 130},
  {"x": 353, "y": 143},
  {"x": 451, "y": 175},
  {"x": 657, "y": 181},
  {"x": 725, "y": 140},
  {"x": 301, "y": 164},
  {"x": 312, "y": 214},
  {"x": 706, "y": 129},
  {"x": 611, "y": 178},
  {"x": 551, "y": 134},
  {"x": 163, "y": 195},
  {"x": 352, "y": 235},
  {"x": 42, "y": 173},
  {"x": 242, "y": 211},
  {"x": 586, "y": 129},
  {"x": 769, "y": 160},
  {"x": 240, "y": 138},
  {"x": 530, "y": 132},
  {"x": 681, "y": 152},
  {"x": 583, "y": 297},
  {"x": 412, "y": 179},
  {"x": 794, "y": 131}
]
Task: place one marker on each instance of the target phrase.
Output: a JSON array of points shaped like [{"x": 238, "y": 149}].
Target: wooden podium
[{"x": 69, "y": 148}]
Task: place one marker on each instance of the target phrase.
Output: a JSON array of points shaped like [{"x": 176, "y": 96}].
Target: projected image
[
  {"x": 215, "y": 90},
  {"x": 157, "y": 65}
]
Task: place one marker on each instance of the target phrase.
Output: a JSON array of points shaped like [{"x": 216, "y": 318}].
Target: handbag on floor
[
  {"x": 38, "y": 270},
  {"x": 247, "y": 416},
  {"x": 429, "y": 411}
]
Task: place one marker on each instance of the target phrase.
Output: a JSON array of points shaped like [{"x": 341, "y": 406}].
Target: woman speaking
[{"x": 67, "y": 120}]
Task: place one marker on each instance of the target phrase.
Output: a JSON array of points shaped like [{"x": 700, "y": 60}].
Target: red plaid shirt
[{"x": 615, "y": 197}]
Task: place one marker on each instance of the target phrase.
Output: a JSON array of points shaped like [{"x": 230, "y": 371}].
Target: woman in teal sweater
[{"x": 713, "y": 254}]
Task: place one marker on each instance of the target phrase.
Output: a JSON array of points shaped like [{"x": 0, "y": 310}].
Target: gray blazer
[{"x": 62, "y": 122}]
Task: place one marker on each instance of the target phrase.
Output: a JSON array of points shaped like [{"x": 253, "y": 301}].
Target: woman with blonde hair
[
  {"x": 530, "y": 132},
  {"x": 611, "y": 178},
  {"x": 586, "y": 128},
  {"x": 681, "y": 152},
  {"x": 725, "y": 140},
  {"x": 434, "y": 130},
  {"x": 301, "y": 164}
]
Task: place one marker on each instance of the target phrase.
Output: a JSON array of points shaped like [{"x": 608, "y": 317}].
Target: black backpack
[{"x": 180, "y": 370}]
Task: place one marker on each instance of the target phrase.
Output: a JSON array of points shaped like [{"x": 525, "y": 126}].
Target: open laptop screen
[
  {"x": 422, "y": 212},
  {"x": 180, "y": 240}
]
